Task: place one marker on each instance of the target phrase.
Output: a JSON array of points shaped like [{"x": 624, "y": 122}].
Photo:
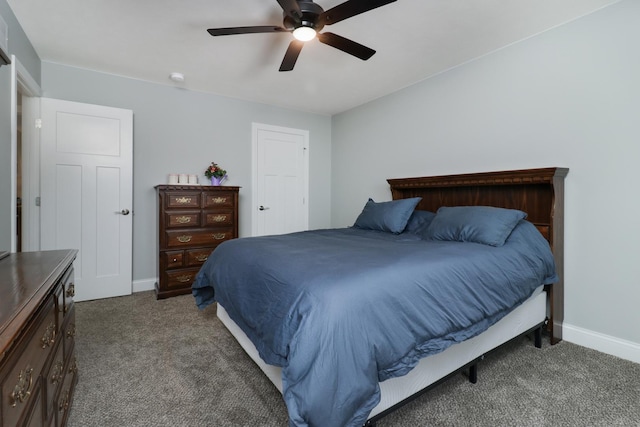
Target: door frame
[
  {"x": 23, "y": 84},
  {"x": 255, "y": 128}
]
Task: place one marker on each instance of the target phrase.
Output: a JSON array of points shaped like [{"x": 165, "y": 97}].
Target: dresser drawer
[
  {"x": 197, "y": 257},
  {"x": 219, "y": 199},
  {"x": 59, "y": 306},
  {"x": 66, "y": 392},
  {"x": 69, "y": 331},
  {"x": 64, "y": 296},
  {"x": 183, "y": 200},
  {"x": 20, "y": 379},
  {"x": 181, "y": 278},
  {"x": 173, "y": 259},
  {"x": 69, "y": 290},
  {"x": 53, "y": 378},
  {"x": 200, "y": 237},
  {"x": 30, "y": 389},
  {"x": 34, "y": 417},
  {"x": 182, "y": 219},
  {"x": 217, "y": 219}
]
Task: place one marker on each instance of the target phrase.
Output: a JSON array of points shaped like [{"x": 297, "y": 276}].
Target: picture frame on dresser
[{"x": 192, "y": 221}]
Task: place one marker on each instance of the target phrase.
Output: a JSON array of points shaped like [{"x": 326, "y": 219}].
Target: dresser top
[
  {"x": 25, "y": 279},
  {"x": 191, "y": 187}
]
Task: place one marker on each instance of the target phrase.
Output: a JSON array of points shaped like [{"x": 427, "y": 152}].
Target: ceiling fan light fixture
[{"x": 304, "y": 34}]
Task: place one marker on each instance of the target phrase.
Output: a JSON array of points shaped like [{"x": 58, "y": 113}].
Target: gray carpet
[{"x": 165, "y": 363}]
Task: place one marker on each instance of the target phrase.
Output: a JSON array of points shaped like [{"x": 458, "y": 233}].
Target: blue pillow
[
  {"x": 386, "y": 216},
  {"x": 419, "y": 221},
  {"x": 479, "y": 224}
]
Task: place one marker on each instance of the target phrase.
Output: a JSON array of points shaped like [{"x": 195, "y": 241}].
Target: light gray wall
[
  {"x": 182, "y": 131},
  {"x": 569, "y": 97},
  {"x": 19, "y": 46}
]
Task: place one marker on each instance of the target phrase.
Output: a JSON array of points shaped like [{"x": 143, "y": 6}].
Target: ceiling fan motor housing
[{"x": 310, "y": 13}]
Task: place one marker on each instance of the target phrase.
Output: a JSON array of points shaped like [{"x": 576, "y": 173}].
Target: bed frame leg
[
  {"x": 538, "y": 337},
  {"x": 473, "y": 373}
]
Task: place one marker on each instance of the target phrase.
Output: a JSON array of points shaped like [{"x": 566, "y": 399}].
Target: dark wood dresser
[
  {"x": 192, "y": 221},
  {"x": 38, "y": 366}
]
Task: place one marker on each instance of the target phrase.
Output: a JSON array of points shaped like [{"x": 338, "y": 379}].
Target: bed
[{"x": 304, "y": 310}]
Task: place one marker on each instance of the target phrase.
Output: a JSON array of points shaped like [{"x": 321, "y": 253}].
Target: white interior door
[
  {"x": 281, "y": 175},
  {"x": 86, "y": 192}
]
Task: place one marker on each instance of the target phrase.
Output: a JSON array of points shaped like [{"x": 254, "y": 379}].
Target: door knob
[
  {"x": 124, "y": 212},
  {"x": 262, "y": 208}
]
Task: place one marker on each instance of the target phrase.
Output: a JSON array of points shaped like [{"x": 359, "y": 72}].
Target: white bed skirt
[{"x": 430, "y": 369}]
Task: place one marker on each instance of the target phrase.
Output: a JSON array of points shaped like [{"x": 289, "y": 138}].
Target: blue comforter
[{"x": 342, "y": 309}]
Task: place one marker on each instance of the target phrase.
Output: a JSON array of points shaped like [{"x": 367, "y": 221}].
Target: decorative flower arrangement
[{"x": 214, "y": 171}]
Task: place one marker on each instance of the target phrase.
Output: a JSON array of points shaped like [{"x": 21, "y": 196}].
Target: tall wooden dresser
[
  {"x": 38, "y": 366},
  {"x": 192, "y": 221}
]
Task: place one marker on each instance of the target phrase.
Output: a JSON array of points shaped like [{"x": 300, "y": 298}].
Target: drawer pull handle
[
  {"x": 218, "y": 236},
  {"x": 64, "y": 402},
  {"x": 71, "y": 332},
  {"x": 73, "y": 367},
  {"x": 184, "y": 278},
  {"x": 219, "y": 200},
  {"x": 71, "y": 291},
  {"x": 184, "y": 238},
  {"x": 219, "y": 218},
  {"x": 201, "y": 257},
  {"x": 183, "y": 200},
  {"x": 183, "y": 219},
  {"x": 56, "y": 375},
  {"x": 49, "y": 336},
  {"x": 22, "y": 390}
]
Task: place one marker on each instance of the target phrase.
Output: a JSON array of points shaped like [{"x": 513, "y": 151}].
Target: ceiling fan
[{"x": 305, "y": 19}]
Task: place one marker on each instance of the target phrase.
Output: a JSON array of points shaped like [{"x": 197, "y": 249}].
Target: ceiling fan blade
[
  {"x": 291, "y": 56},
  {"x": 346, "y": 45},
  {"x": 291, "y": 8},
  {"x": 246, "y": 30},
  {"x": 350, "y": 8}
]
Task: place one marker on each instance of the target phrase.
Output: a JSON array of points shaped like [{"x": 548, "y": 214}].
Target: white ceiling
[{"x": 414, "y": 39}]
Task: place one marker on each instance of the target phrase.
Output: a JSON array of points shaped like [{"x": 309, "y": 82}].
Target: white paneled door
[
  {"x": 281, "y": 171},
  {"x": 86, "y": 192}
]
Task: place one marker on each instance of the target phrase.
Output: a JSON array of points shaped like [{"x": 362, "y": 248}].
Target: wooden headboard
[{"x": 538, "y": 192}]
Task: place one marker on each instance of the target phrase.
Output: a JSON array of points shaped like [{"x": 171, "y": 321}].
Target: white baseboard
[
  {"x": 144, "y": 285},
  {"x": 604, "y": 343}
]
